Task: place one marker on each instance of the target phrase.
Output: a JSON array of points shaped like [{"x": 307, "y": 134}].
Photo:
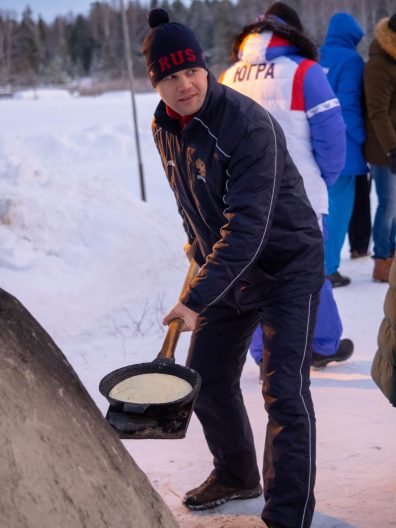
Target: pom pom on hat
[
  {"x": 156, "y": 17},
  {"x": 392, "y": 23}
]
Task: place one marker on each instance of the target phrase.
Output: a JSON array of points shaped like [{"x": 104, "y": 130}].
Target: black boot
[
  {"x": 343, "y": 352},
  {"x": 337, "y": 280}
]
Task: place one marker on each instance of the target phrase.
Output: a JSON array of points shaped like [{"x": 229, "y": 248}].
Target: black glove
[{"x": 392, "y": 160}]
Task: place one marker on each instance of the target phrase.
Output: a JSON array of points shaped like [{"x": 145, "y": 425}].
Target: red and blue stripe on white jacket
[{"x": 296, "y": 91}]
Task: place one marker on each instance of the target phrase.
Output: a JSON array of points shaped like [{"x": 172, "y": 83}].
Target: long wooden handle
[
  {"x": 191, "y": 272},
  {"x": 171, "y": 339},
  {"x": 176, "y": 325}
]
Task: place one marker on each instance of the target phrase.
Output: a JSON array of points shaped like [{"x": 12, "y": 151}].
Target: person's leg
[
  {"x": 256, "y": 345},
  {"x": 360, "y": 223},
  {"x": 328, "y": 328},
  {"x": 385, "y": 215},
  {"x": 289, "y": 457},
  {"x": 327, "y": 345},
  {"x": 327, "y": 334},
  {"x": 341, "y": 198},
  {"x": 218, "y": 351}
]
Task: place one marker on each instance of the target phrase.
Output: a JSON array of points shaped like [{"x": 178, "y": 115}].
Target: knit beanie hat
[
  {"x": 285, "y": 13},
  {"x": 169, "y": 47}
]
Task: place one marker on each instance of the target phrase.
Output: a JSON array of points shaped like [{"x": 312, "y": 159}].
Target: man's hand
[
  {"x": 187, "y": 251},
  {"x": 183, "y": 312}
]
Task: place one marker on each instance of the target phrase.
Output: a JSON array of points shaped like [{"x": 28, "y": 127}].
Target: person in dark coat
[
  {"x": 257, "y": 241},
  {"x": 383, "y": 368},
  {"x": 344, "y": 67},
  {"x": 380, "y": 145}
]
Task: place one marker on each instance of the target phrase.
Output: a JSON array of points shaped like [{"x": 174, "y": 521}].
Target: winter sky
[{"x": 48, "y": 9}]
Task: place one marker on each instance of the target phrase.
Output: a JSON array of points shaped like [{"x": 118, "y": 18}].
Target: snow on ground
[
  {"x": 98, "y": 268},
  {"x": 43, "y": 93}
]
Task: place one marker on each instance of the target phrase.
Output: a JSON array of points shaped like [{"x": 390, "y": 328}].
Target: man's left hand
[{"x": 183, "y": 312}]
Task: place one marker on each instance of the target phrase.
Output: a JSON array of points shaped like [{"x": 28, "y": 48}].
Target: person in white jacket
[{"x": 276, "y": 66}]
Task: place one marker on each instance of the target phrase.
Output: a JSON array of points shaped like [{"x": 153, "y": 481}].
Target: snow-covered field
[{"x": 98, "y": 268}]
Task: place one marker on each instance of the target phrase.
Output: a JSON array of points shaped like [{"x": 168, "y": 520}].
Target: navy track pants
[{"x": 218, "y": 352}]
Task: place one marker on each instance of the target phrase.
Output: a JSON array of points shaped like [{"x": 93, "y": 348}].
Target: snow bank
[{"x": 69, "y": 217}]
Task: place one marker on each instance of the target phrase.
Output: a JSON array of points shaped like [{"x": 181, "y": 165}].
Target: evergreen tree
[
  {"x": 137, "y": 22},
  {"x": 179, "y": 12},
  {"x": 44, "y": 50},
  {"x": 225, "y": 31},
  {"x": 105, "y": 31},
  {"x": 27, "y": 51},
  {"x": 7, "y": 36},
  {"x": 81, "y": 44},
  {"x": 59, "y": 68},
  {"x": 200, "y": 19}
]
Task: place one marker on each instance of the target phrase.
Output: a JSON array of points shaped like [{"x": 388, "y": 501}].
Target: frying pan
[{"x": 154, "y": 420}]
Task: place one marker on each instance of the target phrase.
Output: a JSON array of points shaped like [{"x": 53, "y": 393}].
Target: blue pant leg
[
  {"x": 328, "y": 328},
  {"x": 384, "y": 228},
  {"x": 341, "y": 199},
  {"x": 256, "y": 345}
]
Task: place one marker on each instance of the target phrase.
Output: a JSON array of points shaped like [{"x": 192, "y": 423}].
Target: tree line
[{"x": 33, "y": 51}]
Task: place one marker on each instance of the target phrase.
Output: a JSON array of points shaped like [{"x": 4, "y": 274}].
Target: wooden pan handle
[
  {"x": 176, "y": 325},
  {"x": 171, "y": 339},
  {"x": 191, "y": 272}
]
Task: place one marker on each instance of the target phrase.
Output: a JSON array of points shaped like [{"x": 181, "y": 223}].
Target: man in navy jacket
[{"x": 257, "y": 241}]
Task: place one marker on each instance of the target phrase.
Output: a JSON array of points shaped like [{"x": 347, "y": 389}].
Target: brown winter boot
[
  {"x": 212, "y": 493},
  {"x": 381, "y": 269}
]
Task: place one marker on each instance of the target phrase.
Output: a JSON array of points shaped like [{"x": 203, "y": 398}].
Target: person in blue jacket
[{"x": 344, "y": 67}]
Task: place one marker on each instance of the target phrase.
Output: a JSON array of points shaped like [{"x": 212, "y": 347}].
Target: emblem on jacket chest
[
  {"x": 196, "y": 165},
  {"x": 200, "y": 166}
]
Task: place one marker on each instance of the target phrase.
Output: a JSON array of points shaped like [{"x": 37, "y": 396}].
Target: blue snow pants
[
  {"x": 217, "y": 351},
  {"x": 328, "y": 329},
  {"x": 336, "y": 223}
]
